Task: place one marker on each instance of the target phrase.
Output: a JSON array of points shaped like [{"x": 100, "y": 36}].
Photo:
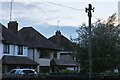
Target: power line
[
  {"x": 96, "y": 18},
  {"x": 65, "y": 6}
]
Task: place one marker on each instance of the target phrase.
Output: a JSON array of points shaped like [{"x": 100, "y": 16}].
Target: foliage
[
  {"x": 67, "y": 71},
  {"x": 105, "y": 46}
]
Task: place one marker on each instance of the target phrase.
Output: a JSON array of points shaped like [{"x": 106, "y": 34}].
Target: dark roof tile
[
  {"x": 63, "y": 43},
  {"x": 17, "y": 60},
  {"x": 10, "y": 37},
  {"x": 34, "y": 39},
  {"x": 60, "y": 62}
]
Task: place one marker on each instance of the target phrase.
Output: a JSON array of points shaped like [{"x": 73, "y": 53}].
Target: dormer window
[
  {"x": 20, "y": 50},
  {"x": 6, "y": 48}
]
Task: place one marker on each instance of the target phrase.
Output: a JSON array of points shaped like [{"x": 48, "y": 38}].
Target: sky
[{"x": 47, "y": 16}]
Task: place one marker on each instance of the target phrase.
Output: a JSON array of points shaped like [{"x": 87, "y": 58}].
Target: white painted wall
[
  {"x": 1, "y": 32},
  {"x": 41, "y": 61},
  {"x": 25, "y": 51},
  {"x": 58, "y": 55},
  {"x": 13, "y": 50},
  {"x": 66, "y": 56},
  {"x": 70, "y": 68},
  {"x": 10, "y": 50},
  {"x": 44, "y": 62},
  {"x": 30, "y": 53},
  {"x": 1, "y": 49}
]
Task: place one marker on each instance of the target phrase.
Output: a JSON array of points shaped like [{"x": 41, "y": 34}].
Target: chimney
[
  {"x": 13, "y": 26},
  {"x": 58, "y": 38},
  {"x": 58, "y": 33}
]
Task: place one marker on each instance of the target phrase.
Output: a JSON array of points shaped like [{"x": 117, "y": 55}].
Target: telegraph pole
[{"x": 88, "y": 10}]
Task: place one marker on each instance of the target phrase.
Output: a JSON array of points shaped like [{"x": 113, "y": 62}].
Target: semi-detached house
[
  {"x": 40, "y": 49},
  {"x": 27, "y": 48},
  {"x": 13, "y": 50},
  {"x": 66, "y": 57}
]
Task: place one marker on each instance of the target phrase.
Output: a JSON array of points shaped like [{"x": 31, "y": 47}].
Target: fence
[{"x": 59, "y": 77}]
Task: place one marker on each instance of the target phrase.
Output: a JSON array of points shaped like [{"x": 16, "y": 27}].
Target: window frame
[
  {"x": 20, "y": 50},
  {"x": 6, "y": 48}
]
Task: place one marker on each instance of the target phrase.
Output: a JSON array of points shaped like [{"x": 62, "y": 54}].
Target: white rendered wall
[
  {"x": 13, "y": 50},
  {"x": 30, "y": 53},
  {"x": 25, "y": 51},
  {"x": 44, "y": 62},
  {"x": 58, "y": 55},
  {"x": 1, "y": 49},
  {"x": 41, "y": 61}
]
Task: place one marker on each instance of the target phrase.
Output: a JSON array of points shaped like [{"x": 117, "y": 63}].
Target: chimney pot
[{"x": 58, "y": 32}]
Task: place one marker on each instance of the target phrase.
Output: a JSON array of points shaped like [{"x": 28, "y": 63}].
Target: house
[
  {"x": 27, "y": 48},
  {"x": 65, "y": 58},
  {"x": 40, "y": 49},
  {"x": 13, "y": 50}
]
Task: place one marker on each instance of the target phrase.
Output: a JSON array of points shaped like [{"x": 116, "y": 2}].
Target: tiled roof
[
  {"x": 64, "y": 43},
  {"x": 60, "y": 62},
  {"x": 17, "y": 60},
  {"x": 34, "y": 39},
  {"x": 10, "y": 37}
]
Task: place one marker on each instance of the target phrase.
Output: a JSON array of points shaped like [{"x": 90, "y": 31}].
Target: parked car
[{"x": 23, "y": 71}]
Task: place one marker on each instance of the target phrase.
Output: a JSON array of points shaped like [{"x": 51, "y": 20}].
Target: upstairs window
[
  {"x": 20, "y": 50},
  {"x": 6, "y": 48},
  {"x": 44, "y": 54}
]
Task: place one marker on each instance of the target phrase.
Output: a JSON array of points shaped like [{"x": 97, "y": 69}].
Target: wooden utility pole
[{"x": 88, "y": 10}]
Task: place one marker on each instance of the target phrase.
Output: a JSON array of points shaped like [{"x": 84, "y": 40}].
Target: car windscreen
[
  {"x": 17, "y": 71},
  {"x": 14, "y": 72}
]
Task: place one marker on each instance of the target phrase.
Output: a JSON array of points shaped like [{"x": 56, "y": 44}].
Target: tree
[{"x": 105, "y": 45}]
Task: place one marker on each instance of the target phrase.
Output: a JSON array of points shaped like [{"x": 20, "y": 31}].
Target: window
[
  {"x": 44, "y": 54},
  {"x": 55, "y": 54},
  {"x": 20, "y": 50},
  {"x": 6, "y": 48}
]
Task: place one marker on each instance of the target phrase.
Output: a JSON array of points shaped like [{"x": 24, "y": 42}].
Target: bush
[{"x": 67, "y": 71}]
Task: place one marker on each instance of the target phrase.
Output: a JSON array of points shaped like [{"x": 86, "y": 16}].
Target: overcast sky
[{"x": 44, "y": 15}]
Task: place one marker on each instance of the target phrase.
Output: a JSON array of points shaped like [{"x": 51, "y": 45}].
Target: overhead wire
[
  {"x": 64, "y": 6},
  {"x": 98, "y": 19}
]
